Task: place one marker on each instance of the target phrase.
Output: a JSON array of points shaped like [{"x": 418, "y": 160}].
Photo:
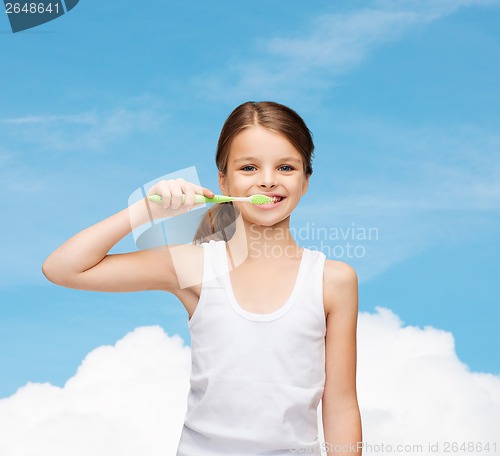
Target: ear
[
  {"x": 223, "y": 183},
  {"x": 305, "y": 185}
]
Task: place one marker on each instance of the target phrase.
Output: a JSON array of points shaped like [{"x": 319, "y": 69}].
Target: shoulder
[
  {"x": 340, "y": 283},
  {"x": 339, "y": 271}
]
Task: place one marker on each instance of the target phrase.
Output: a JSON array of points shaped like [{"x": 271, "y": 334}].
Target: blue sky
[{"x": 402, "y": 98}]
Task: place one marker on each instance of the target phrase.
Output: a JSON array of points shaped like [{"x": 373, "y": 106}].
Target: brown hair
[{"x": 218, "y": 222}]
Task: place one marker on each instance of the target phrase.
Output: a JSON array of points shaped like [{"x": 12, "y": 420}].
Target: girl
[{"x": 273, "y": 325}]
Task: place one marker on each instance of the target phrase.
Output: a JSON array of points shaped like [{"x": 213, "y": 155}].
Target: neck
[{"x": 251, "y": 242}]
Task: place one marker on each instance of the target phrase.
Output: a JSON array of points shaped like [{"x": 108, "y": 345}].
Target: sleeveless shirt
[{"x": 256, "y": 379}]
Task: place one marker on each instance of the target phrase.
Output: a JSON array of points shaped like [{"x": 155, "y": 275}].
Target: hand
[{"x": 171, "y": 192}]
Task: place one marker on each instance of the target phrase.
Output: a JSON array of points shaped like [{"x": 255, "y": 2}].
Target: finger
[
  {"x": 176, "y": 191},
  {"x": 204, "y": 191},
  {"x": 164, "y": 190},
  {"x": 189, "y": 192},
  {"x": 152, "y": 191}
]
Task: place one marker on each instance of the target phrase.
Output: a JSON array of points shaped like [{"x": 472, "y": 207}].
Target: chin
[{"x": 267, "y": 221}]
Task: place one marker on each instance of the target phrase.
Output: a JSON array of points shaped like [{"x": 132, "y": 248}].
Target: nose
[{"x": 267, "y": 179}]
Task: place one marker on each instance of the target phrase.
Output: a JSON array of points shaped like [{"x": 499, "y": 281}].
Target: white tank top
[{"x": 256, "y": 379}]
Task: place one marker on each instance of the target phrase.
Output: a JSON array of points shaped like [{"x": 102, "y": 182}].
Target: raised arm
[
  {"x": 340, "y": 410},
  {"x": 83, "y": 262}
]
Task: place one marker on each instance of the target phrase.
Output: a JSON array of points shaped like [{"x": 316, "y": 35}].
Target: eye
[{"x": 245, "y": 168}]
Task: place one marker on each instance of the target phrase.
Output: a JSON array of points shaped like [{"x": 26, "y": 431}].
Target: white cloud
[
  {"x": 414, "y": 389},
  {"x": 333, "y": 44},
  {"x": 126, "y": 399},
  {"x": 340, "y": 41},
  {"x": 84, "y": 119},
  {"x": 130, "y": 398},
  {"x": 432, "y": 9},
  {"x": 89, "y": 131}
]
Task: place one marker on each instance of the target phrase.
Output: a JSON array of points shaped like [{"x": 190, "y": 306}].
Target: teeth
[{"x": 274, "y": 200}]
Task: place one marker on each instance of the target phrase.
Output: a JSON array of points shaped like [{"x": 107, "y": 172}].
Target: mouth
[{"x": 276, "y": 200}]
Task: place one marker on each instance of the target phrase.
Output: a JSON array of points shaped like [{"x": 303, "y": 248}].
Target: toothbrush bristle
[{"x": 261, "y": 199}]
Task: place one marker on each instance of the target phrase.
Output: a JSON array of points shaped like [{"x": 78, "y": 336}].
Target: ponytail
[{"x": 217, "y": 224}]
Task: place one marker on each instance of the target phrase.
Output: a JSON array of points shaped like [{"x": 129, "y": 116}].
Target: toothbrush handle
[{"x": 198, "y": 199}]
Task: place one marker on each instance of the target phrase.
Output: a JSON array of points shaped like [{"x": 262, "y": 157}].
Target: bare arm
[
  {"x": 341, "y": 415},
  {"x": 83, "y": 261}
]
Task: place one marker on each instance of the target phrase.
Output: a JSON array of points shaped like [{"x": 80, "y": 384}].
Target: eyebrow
[{"x": 284, "y": 159}]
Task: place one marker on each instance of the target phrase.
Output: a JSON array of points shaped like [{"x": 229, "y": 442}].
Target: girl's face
[{"x": 261, "y": 161}]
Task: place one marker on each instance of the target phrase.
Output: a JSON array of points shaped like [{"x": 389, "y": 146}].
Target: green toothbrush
[{"x": 199, "y": 199}]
